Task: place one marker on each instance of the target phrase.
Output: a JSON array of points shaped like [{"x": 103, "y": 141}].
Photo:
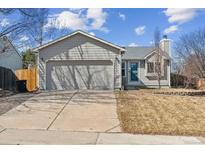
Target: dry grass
[{"x": 143, "y": 112}]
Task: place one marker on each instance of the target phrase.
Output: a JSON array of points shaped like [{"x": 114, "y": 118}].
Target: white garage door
[{"x": 81, "y": 74}]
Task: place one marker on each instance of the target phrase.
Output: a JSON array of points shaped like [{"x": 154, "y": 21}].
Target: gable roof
[
  {"x": 140, "y": 53},
  {"x": 137, "y": 52},
  {"x": 79, "y": 32},
  {"x": 163, "y": 53}
]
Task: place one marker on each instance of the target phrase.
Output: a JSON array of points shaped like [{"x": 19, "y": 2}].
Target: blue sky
[
  {"x": 123, "y": 32},
  {"x": 125, "y": 27}
]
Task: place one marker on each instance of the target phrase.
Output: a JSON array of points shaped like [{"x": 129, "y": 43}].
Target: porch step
[{"x": 131, "y": 87}]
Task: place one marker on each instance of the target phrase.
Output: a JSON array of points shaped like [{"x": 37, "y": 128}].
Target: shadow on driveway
[{"x": 9, "y": 102}]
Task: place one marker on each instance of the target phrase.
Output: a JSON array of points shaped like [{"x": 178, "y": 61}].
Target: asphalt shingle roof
[{"x": 137, "y": 52}]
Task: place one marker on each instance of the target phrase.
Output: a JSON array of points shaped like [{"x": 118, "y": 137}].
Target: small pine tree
[{"x": 29, "y": 58}]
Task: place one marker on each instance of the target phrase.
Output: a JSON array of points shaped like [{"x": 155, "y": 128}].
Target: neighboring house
[
  {"x": 83, "y": 61},
  {"x": 9, "y": 56},
  {"x": 79, "y": 61},
  {"x": 138, "y": 66}
]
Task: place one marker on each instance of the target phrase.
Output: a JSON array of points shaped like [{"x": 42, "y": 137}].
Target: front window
[
  {"x": 150, "y": 67},
  {"x": 153, "y": 67},
  {"x": 123, "y": 69},
  {"x": 157, "y": 66}
]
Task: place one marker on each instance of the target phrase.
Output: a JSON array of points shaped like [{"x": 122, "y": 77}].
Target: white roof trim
[
  {"x": 83, "y": 33},
  {"x": 149, "y": 54},
  {"x": 154, "y": 51}
]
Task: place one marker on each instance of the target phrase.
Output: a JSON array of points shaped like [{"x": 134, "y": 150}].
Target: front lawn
[{"x": 143, "y": 112}]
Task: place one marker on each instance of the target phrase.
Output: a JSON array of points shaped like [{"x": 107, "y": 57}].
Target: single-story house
[
  {"x": 138, "y": 66},
  {"x": 83, "y": 61},
  {"x": 9, "y": 56}
]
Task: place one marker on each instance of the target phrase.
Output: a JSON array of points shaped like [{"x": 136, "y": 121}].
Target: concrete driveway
[
  {"x": 90, "y": 111},
  {"x": 71, "y": 117}
]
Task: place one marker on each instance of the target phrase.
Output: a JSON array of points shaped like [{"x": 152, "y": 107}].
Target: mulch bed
[{"x": 181, "y": 93}]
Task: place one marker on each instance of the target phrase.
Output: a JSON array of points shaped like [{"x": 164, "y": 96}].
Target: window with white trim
[
  {"x": 150, "y": 67},
  {"x": 153, "y": 67}
]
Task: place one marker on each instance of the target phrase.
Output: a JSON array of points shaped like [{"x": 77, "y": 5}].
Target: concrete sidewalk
[{"x": 20, "y": 136}]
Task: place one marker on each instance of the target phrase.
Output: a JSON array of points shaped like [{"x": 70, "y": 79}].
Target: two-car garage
[
  {"x": 79, "y": 74},
  {"x": 79, "y": 61}
]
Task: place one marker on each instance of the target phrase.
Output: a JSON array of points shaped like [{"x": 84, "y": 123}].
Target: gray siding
[
  {"x": 143, "y": 78},
  {"x": 79, "y": 47},
  {"x": 10, "y": 59}
]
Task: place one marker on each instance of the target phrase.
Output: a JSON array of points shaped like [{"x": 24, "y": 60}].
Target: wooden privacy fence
[
  {"x": 30, "y": 75},
  {"x": 201, "y": 84},
  {"x": 7, "y": 79}
]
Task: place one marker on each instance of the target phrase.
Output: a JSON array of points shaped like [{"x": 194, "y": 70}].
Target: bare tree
[
  {"x": 158, "y": 56},
  {"x": 177, "y": 79},
  {"x": 37, "y": 29},
  {"x": 191, "y": 48},
  {"x": 30, "y": 25},
  {"x": 20, "y": 25}
]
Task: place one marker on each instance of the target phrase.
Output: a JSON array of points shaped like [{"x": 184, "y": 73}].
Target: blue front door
[{"x": 134, "y": 71}]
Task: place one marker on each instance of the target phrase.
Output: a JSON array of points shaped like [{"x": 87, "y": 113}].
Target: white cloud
[
  {"x": 171, "y": 29},
  {"x": 122, "y": 16},
  {"x": 24, "y": 38},
  {"x": 73, "y": 19},
  {"x": 151, "y": 42},
  {"x": 67, "y": 19},
  {"x": 4, "y": 22},
  {"x": 76, "y": 10},
  {"x": 98, "y": 17},
  {"x": 92, "y": 33},
  {"x": 24, "y": 47},
  {"x": 140, "y": 30},
  {"x": 180, "y": 15},
  {"x": 133, "y": 45}
]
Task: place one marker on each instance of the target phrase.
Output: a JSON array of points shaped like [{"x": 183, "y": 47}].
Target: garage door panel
[
  {"x": 94, "y": 77},
  {"x": 61, "y": 78},
  {"x": 79, "y": 75}
]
